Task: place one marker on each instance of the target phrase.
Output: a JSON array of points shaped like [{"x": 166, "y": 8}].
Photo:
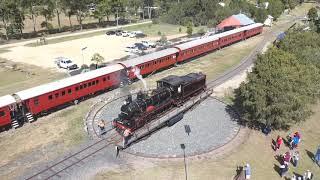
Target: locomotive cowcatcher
[{"x": 171, "y": 91}]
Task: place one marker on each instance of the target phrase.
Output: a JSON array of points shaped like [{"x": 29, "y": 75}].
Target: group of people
[
  {"x": 286, "y": 159},
  {"x": 291, "y": 156},
  {"x": 293, "y": 141}
]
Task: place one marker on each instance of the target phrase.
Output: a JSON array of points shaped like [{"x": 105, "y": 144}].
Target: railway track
[{"x": 61, "y": 167}]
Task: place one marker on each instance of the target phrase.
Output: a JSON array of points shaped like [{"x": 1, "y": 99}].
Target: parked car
[
  {"x": 110, "y": 33},
  {"x": 66, "y": 63},
  {"x": 140, "y": 46},
  {"x": 140, "y": 35},
  {"x": 132, "y": 49},
  {"x": 149, "y": 44},
  {"x": 125, "y": 34},
  {"x": 132, "y": 34},
  {"x": 119, "y": 32}
]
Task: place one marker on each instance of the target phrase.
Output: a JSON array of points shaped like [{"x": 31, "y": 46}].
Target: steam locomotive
[{"x": 171, "y": 91}]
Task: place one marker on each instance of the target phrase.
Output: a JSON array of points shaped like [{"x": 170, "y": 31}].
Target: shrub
[
  {"x": 155, "y": 21},
  {"x": 159, "y": 33},
  {"x": 201, "y": 31},
  {"x": 84, "y": 66}
]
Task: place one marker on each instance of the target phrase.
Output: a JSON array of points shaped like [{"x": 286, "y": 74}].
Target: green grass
[
  {"x": 16, "y": 76},
  {"x": 148, "y": 29},
  {"x": 68, "y": 38},
  {"x": 163, "y": 28},
  {"x": 74, "y": 116},
  {"x": 4, "y": 50}
]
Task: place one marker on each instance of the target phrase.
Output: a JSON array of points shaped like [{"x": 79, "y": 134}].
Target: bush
[
  {"x": 189, "y": 29},
  {"x": 155, "y": 21},
  {"x": 93, "y": 66},
  {"x": 159, "y": 33},
  {"x": 180, "y": 30},
  {"x": 201, "y": 31},
  {"x": 211, "y": 23},
  {"x": 163, "y": 39},
  {"x": 84, "y": 66}
]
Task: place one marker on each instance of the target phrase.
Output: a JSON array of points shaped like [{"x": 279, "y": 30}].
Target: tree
[
  {"x": 189, "y": 29},
  {"x": 275, "y": 8},
  {"x": 277, "y": 92},
  {"x": 97, "y": 58},
  {"x": 78, "y": 8},
  {"x": 46, "y": 10},
  {"x": 58, "y": 7},
  {"x": 313, "y": 14},
  {"x": 33, "y": 8},
  {"x": 12, "y": 17},
  {"x": 103, "y": 10}
]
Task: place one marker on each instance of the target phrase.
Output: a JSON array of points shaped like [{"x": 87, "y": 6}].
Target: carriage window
[
  {"x": 85, "y": 86},
  {"x": 93, "y": 83},
  {"x": 97, "y": 81},
  {"x": 108, "y": 77},
  {"x": 36, "y": 102},
  {"x": 50, "y": 97},
  {"x": 89, "y": 84},
  {"x": 77, "y": 88},
  {"x": 69, "y": 91},
  {"x": 63, "y": 93},
  {"x": 2, "y": 113},
  {"x": 104, "y": 79},
  {"x": 57, "y": 95},
  {"x": 81, "y": 87}
]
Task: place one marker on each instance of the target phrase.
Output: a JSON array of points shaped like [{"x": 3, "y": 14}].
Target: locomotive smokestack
[{"x": 138, "y": 75}]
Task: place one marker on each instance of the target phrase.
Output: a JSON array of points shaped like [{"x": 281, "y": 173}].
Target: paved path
[{"x": 22, "y": 43}]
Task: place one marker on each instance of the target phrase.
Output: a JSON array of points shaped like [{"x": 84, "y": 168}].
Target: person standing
[
  {"x": 247, "y": 171},
  {"x": 317, "y": 156},
  {"x": 283, "y": 169},
  {"x": 295, "y": 142},
  {"x": 295, "y": 158},
  {"x": 278, "y": 143},
  {"x": 287, "y": 158},
  {"x": 308, "y": 175}
]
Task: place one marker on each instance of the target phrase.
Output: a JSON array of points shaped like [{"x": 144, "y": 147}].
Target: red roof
[{"x": 230, "y": 21}]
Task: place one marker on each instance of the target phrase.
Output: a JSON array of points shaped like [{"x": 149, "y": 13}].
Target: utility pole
[
  {"x": 117, "y": 16},
  {"x": 183, "y": 147}
]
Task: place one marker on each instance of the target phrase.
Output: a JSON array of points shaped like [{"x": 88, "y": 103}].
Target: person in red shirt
[{"x": 278, "y": 143}]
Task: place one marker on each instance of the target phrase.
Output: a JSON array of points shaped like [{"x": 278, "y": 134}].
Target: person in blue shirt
[{"x": 317, "y": 156}]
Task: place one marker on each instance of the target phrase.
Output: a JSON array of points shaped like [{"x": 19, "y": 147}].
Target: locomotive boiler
[{"x": 171, "y": 91}]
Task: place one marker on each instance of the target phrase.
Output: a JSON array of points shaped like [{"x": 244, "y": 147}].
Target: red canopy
[{"x": 231, "y": 21}]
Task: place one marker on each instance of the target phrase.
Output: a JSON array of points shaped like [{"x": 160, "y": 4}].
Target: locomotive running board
[{"x": 169, "y": 119}]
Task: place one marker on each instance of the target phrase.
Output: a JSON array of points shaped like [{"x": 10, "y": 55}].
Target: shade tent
[{"x": 235, "y": 21}]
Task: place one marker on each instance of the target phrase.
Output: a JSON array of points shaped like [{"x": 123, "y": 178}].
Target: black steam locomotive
[{"x": 171, "y": 91}]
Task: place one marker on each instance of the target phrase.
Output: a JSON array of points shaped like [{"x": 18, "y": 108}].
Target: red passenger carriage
[
  {"x": 25, "y": 104},
  {"x": 151, "y": 62}
]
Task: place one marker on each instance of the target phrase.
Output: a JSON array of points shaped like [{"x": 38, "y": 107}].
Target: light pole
[
  {"x": 82, "y": 54},
  {"x": 183, "y": 147}
]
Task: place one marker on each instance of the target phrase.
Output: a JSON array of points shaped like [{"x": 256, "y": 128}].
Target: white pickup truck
[
  {"x": 149, "y": 44},
  {"x": 65, "y": 63}
]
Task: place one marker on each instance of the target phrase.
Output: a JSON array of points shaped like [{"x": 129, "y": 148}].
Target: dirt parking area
[{"x": 110, "y": 47}]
